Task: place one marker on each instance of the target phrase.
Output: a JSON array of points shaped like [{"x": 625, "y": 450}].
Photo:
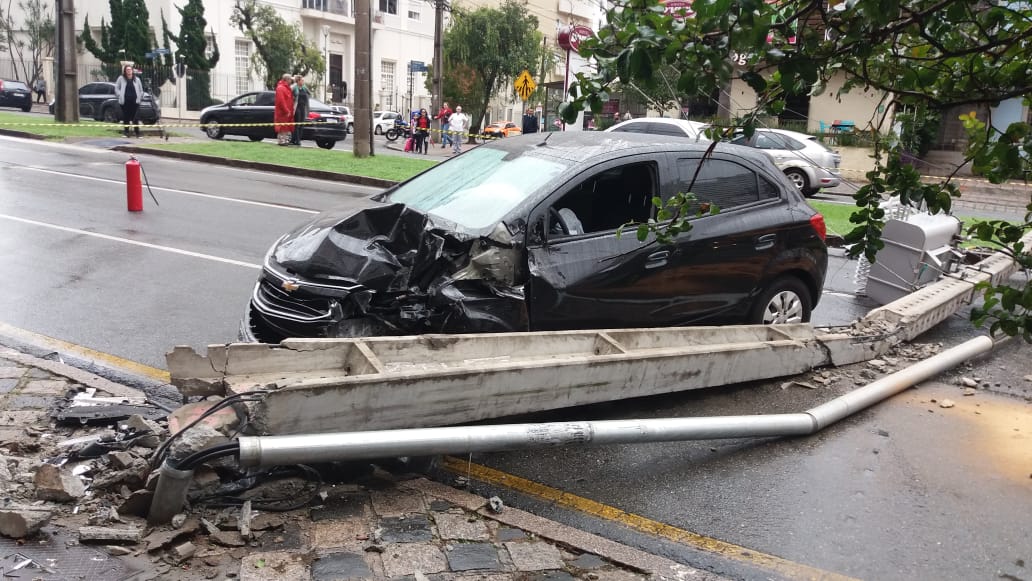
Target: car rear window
[
  {"x": 478, "y": 188},
  {"x": 15, "y": 85},
  {"x": 724, "y": 183}
]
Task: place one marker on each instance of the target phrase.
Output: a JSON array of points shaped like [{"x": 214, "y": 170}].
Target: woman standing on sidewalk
[
  {"x": 130, "y": 94},
  {"x": 422, "y": 129}
]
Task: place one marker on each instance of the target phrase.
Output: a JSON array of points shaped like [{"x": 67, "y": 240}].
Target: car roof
[
  {"x": 692, "y": 126},
  {"x": 581, "y": 146},
  {"x": 795, "y": 134}
]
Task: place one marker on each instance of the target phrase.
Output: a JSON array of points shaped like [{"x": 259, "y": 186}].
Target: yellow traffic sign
[{"x": 525, "y": 85}]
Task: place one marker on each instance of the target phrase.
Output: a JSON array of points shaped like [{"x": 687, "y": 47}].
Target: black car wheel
[
  {"x": 786, "y": 300},
  {"x": 255, "y": 138},
  {"x": 212, "y": 129},
  {"x": 27, "y": 108},
  {"x": 325, "y": 143},
  {"x": 109, "y": 116},
  {"x": 150, "y": 121},
  {"x": 351, "y": 127}
]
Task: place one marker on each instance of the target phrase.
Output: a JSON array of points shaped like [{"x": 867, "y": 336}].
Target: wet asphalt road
[{"x": 906, "y": 490}]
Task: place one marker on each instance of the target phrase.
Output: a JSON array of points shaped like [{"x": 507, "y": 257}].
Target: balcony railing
[{"x": 339, "y": 7}]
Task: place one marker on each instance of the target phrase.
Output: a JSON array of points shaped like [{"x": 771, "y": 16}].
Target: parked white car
[
  {"x": 662, "y": 126},
  {"x": 807, "y": 162},
  {"x": 345, "y": 116},
  {"x": 383, "y": 120}
]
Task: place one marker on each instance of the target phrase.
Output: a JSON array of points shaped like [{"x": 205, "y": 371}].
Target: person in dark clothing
[
  {"x": 301, "y": 96},
  {"x": 530, "y": 122},
  {"x": 130, "y": 94},
  {"x": 421, "y": 125}
]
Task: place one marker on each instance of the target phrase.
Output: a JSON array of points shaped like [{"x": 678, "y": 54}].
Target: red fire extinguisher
[{"x": 133, "y": 185}]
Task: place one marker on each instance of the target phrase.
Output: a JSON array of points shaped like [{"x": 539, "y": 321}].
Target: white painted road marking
[{"x": 133, "y": 242}]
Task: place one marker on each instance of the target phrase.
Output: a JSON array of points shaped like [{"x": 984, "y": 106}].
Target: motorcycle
[{"x": 400, "y": 129}]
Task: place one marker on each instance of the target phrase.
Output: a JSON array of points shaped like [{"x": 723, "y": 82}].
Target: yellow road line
[
  {"x": 84, "y": 352},
  {"x": 639, "y": 523}
]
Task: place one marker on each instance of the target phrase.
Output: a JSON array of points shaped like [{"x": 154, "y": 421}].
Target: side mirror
[{"x": 536, "y": 233}]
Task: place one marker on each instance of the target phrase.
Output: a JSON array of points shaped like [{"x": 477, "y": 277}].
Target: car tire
[
  {"x": 325, "y": 143},
  {"x": 27, "y": 108},
  {"x": 377, "y": 130},
  {"x": 786, "y": 300},
  {"x": 798, "y": 177},
  {"x": 150, "y": 122},
  {"x": 255, "y": 138},
  {"x": 212, "y": 129},
  {"x": 108, "y": 115},
  {"x": 351, "y": 128}
]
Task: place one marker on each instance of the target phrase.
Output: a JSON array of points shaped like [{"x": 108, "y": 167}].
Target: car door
[
  {"x": 583, "y": 274},
  {"x": 90, "y": 96},
  {"x": 720, "y": 263},
  {"x": 239, "y": 114},
  {"x": 263, "y": 111}
]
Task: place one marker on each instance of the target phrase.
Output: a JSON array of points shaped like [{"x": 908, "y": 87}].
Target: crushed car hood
[{"x": 382, "y": 247}]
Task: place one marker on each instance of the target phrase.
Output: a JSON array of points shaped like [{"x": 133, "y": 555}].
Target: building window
[
  {"x": 387, "y": 82},
  {"x": 243, "y": 66},
  {"x": 413, "y": 15},
  {"x": 389, "y": 6}
]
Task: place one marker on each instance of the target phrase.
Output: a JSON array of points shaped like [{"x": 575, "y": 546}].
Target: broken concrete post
[
  {"x": 110, "y": 535},
  {"x": 53, "y": 483},
  {"x": 225, "y": 420},
  {"x": 140, "y": 424},
  {"x": 183, "y": 552},
  {"x": 245, "y": 520},
  {"x": 19, "y": 522}
]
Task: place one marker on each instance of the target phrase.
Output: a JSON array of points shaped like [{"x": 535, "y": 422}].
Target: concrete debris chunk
[
  {"x": 495, "y": 504},
  {"x": 968, "y": 382},
  {"x": 946, "y": 403},
  {"x": 197, "y": 438},
  {"x": 970, "y": 391},
  {"x": 110, "y": 534},
  {"x": 19, "y": 522},
  {"x": 878, "y": 364},
  {"x": 229, "y": 539},
  {"x": 1028, "y": 378},
  {"x": 161, "y": 539},
  {"x": 141, "y": 425},
  {"x": 57, "y": 484},
  {"x": 245, "y": 520},
  {"x": 209, "y": 526},
  {"x": 183, "y": 552},
  {"x": 118, "y": 550},
  {"x": 120, "y": 460}
]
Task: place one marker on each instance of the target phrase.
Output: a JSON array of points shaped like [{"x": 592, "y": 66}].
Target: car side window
[
  {"x": 666, "y": 129},
  {"x": 631, "y": 128},
  {"x": 266, "y": 100},
  {"x": 764, "y": 141},
  {"x": 605, "y": 201},
  {"x": 721, "y": 182},
  {"x": 743, "y": 140}
]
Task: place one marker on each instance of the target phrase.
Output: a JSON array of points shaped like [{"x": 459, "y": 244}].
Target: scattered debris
[
  {"x": 968, "y": 382},
  {"x": 178, "y": 520},
  {"x": 883, "y": 433},
  {"x": 18, "y": 522},
  {"x": 183, "y": 552},
  {"x": 229, "y": 539},
  {"x": 495, "y": 504},
  {"x": 110, "y": 535},
  {"x": 946, "y": 403},
  {"x": 57, "y": 484},
  {"x": 970, "y": 391},
  {"x": 877, "y": 364},
  {"x": 245, "y": 520},
  {"x": 163, "y": 538}
]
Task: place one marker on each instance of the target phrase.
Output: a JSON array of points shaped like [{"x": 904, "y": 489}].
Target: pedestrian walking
[
  {"x": 444, "y": 114},
  {"x": 421, "y": 127},
  {"x": 41, "y": 90},
  {"x": 283, "y": 114},
  {"x": 530, "y": 122},
  {"x": 459, "y": 126},
  {"x": 301, "y": 97},
  {"x": 129, "y": 90}
]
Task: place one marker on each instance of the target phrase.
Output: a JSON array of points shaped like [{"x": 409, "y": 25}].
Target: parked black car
[
  {"x": 15, "y": 94},
  {"x": 521, "y": 234},
  {"x": 259, "y": 107},
  {"x": 99, "y": 101}
]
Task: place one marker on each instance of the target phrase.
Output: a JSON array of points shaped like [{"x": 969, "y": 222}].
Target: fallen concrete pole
[
  {"x": 330, "y": 385},
  {"x": 266, "y": 451}
]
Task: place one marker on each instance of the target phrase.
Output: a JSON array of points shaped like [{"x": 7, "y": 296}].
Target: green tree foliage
[
  {"x": 484, "y": 50},
  {"x": 191, "y": 47},
  {"x": 935, "y": 54},
  {"x": 279, "y": 47},
  {"x": 128, "y": 37},
  {"x": 32, "y": 41}
]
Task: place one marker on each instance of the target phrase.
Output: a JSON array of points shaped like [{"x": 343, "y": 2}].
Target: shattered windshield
[{"x": 478, "y": 188}]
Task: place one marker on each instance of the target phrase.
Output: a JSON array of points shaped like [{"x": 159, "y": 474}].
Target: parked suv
[
  {"x": 15, "y": 94},
  {"x": 99, "y": 101},
  {"x": 519, "y": 235},
  {"x": 345, "y": 116}
]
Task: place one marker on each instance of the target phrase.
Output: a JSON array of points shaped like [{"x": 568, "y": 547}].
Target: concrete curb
[
  {"x": 21, "y": 134},
  {"x": 257, "y": 165}
]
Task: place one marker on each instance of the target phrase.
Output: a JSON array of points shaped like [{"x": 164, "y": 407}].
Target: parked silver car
[
  {"x": 807, "y": 162},
  {"x": 662, "y": 126}
]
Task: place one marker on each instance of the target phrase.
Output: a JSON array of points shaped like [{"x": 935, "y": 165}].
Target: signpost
[{"x": 524, "y": 85}]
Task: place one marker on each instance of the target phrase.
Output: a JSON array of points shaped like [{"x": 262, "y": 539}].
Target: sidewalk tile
[
  {"x": 11, "y": 372},
  {"x": 414, "y": 528},
  {"x": 350, "y": 505},
  {"x": 510, "y": 534},
  {"x": 396, "y": 502},
  {"x": 31, "y": 402},
  {"x": 460, "y": 526},
  {"x": 406, "y": 559},
  {"x": 275, "y": 566},
  {"x": 351, "y": 533},
  {"x": 534, "y": 556},
  {"x": 617, "y": 575},
  {"x": 473, "y": 556},
  {"x": 551, "y": 576},
  {"x": 7, "y": 384},
  {"x": 341, "y": 567},
  {"x": 588, "y": 562},
  {"x": 21, "y": 419},
  {"x": 46, "y": 387}
]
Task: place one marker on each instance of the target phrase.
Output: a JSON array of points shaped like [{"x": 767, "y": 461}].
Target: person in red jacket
[
  {"x": 284, "y": 110},
  {"x": 422, "y": 132}
]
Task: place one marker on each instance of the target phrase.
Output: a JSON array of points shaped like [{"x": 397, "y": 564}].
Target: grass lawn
[
  {"x": 46, "y": 126},
  {"x": 339, "y": 159}
]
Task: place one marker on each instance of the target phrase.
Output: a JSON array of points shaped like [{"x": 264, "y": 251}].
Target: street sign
[
  {"x": 162, "y": 51},
  {"x": 417, "y": 67},
  {"x": 525, "y": 85}
]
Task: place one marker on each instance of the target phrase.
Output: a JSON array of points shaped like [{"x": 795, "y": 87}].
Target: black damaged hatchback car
[{"x": 522, "y": 234}]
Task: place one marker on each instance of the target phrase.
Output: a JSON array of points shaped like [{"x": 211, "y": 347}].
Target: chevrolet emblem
[{"x": 290, "y": 286}]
